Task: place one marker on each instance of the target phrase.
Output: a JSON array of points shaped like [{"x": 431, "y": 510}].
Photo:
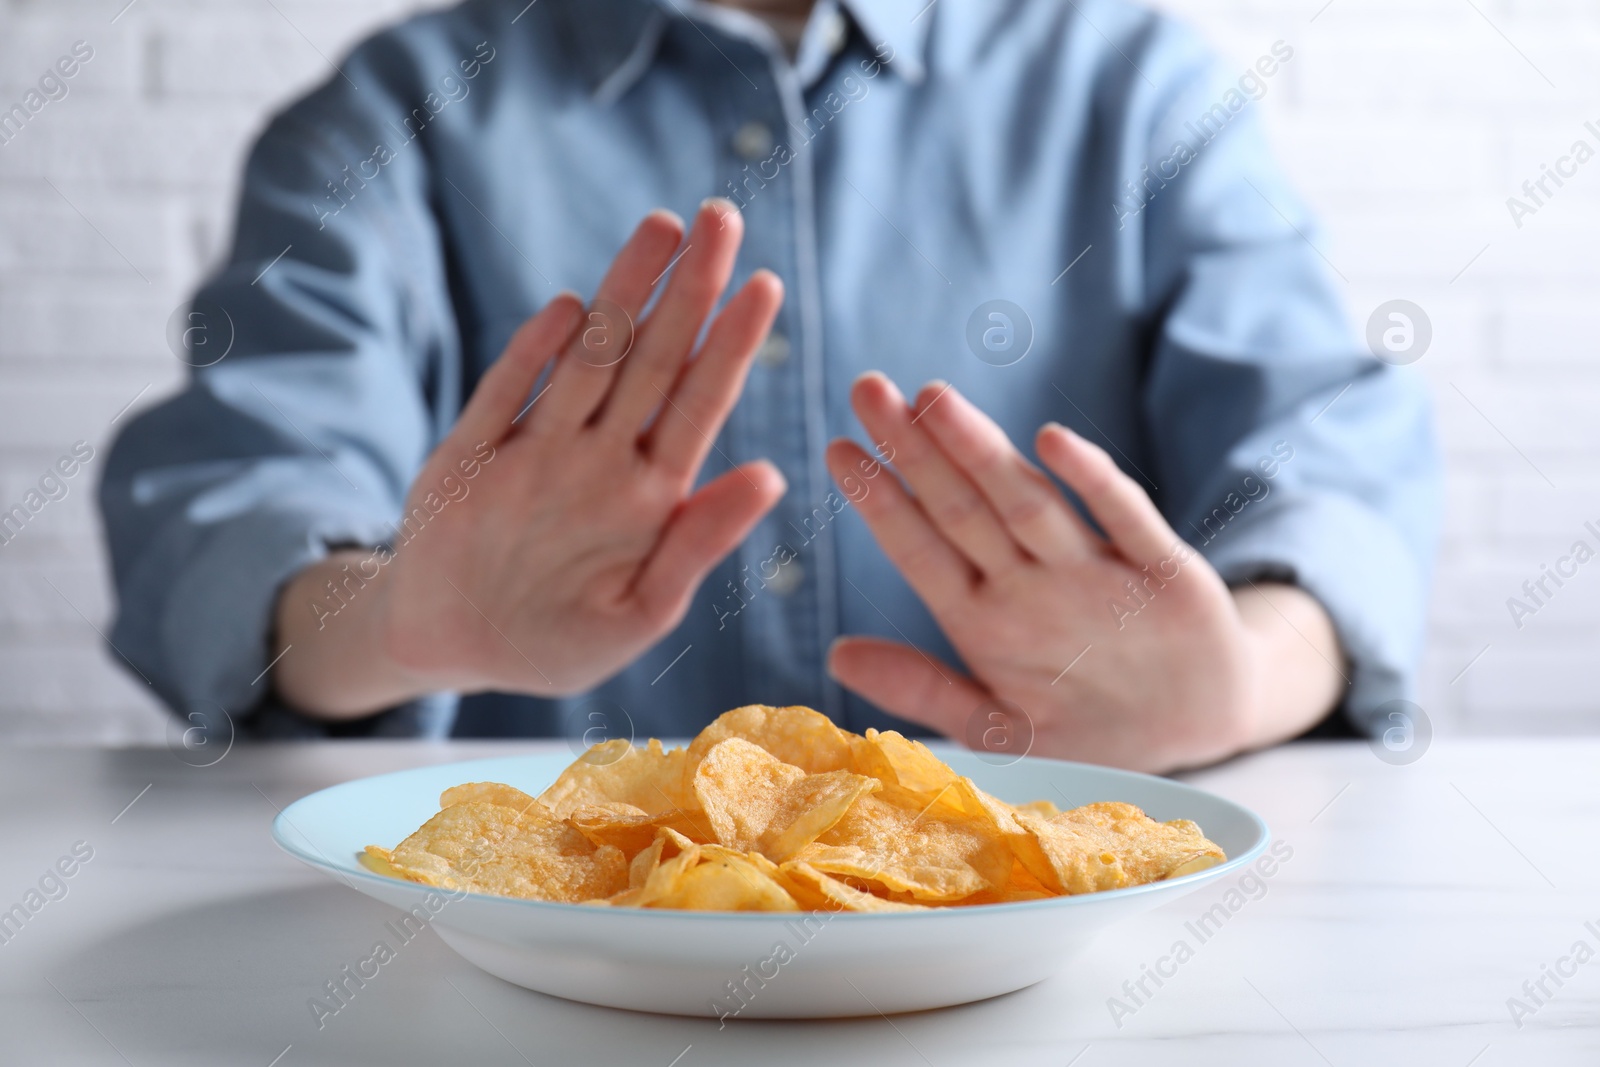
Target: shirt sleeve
[
  {"x": 1282, "y": 448},
  {"x": 332, "y": 359}
]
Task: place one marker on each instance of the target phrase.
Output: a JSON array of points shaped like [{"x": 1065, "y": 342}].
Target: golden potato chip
[
  {"x": 674, "y": 842},
  {"x": 647, "y": 860},
  {"x": 816, "y": 891},
  {"x": 778, "y": 809},
  {"x": 799, "y": 737},
  {"x": 725, "y": 880},
  {"x": 754, "y": 802},
  {"x": 897, "y": 760},
  {"x": 626, "y": 827},
  {"x": 488, "y": 848},
  {"x": 893, "y": 840},
  {"x": 1024, "y": 885},
  {"x": 1112, "y": 845},
  {"x": 617, "y": 772},
  {"x": 1047, "y": 808},
  {"x": 1078, "y": 863},
  {"x": 376, "y": 860},
  {"x": 667, "y": 874},
  {"x": 1021, "y": 886},
  {"x": 1024, "y": 844},
  {"x": 1150, "y": 851},
  {"x": 485, "y": 793},
  {"x": 1196, "y": 863},
  {"x": 760, "y": 862}
]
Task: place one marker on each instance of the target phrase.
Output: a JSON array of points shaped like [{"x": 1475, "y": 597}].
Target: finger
[
  {"x": 907, "y": 682},
  {"x": 938, "y": 573},
  {"x": 665, "y": 340},
  {"x": 706, "y": 527},
  {"x": 591, "y": 360},
  {"x": 503, "y": 390},
  {"x": 947, "y": 496},
  {"x": 1029, "y": 505},
  {"x": 1118, "y": 503},
  {"x": 710, "y": 386}
]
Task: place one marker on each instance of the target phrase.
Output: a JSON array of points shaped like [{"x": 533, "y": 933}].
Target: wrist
[
  {"x": 334, "y": 637},
  {"x": 1296, "y": 670}
]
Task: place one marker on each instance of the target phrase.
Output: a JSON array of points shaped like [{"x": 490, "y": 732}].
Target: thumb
[{"x": 907, "y": 682}]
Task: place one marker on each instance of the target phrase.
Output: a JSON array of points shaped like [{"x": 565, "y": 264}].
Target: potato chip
[
  {"x": 1113, "y": 845},
  {"x": 628, "y": 828},
  {"x": 897, "y": 760},
  {"x": 1047, "y": 808},
  {"x": 1024, "y": 844},
  {"x": 674, "y": 842},
  {"x": 617, "y": 772},
  {"x": 1024, "y": 885},
  {"x": 1150, "y": 851},
  {"x": 485, "y": 793},
  {"x": 778, "y": 809},
  {"x": 816, "y": 891},
  {"x": 760, "y": 862},
  {"x": 1021, "y": 886},
  {"x": 376, "y": 860},
  {"x": 798, "y": 736},
  {"x": 488, "y": 848},
  {"x": 754, "y": 802},
  {"x": 665, "y": 877},
  {"x": 725, "y": 880},
  {"x": 647, "y": 860},
  {"x": 893, "y": 840},
  {"x": 1197, "y": 863}
]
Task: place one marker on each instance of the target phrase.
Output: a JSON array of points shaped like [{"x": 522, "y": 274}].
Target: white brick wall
[
  {"x": 1406, "y": 122},
  {"x": 147, "y": 145}
]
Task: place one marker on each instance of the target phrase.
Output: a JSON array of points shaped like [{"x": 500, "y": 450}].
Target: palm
[
  {"x": 580, "y": 542},
  {"x": 1025, "y": 591}
]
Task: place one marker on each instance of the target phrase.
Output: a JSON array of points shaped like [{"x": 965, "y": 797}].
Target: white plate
[{"x": 752, "y": 964}]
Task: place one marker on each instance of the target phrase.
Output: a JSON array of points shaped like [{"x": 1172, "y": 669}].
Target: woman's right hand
[{"x": 578, "y": 542}]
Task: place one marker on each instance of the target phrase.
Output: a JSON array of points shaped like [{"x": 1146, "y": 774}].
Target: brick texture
[{"x": 1406, "y": 123}]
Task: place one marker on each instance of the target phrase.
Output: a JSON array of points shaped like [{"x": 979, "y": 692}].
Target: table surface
[{"x": 1418, "y": 901}]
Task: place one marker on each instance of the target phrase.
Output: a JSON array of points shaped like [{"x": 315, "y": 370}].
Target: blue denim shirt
[{"x": 1088, "y": 164}]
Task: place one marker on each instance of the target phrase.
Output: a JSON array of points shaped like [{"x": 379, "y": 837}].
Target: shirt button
[
  {"x": 774, "y": 350},
  {"x": 753, "y": 141},
  {"x": 835, "y": 31},
  {"x": 788, "y": 578}
]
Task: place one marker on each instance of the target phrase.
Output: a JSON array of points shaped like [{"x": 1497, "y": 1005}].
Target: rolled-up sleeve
[
  {"x": 341, "y": 362},
  {"x": 1283, "y": 449}
]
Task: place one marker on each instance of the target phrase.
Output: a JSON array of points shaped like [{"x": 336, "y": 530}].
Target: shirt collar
[
  {"x": 899, "y": 28},
  {"x": 618, "y": 39}
]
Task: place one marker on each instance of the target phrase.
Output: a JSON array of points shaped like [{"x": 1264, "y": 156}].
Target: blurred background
[{"x": 1407, "y": 123}]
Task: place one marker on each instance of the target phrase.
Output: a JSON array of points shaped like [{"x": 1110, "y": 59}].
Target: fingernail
[
  {"x": 671, "y": 216},
  {"x": 933, "y": 391},
  {"x": 719, "y": 204},
  {"x": 827, "y": 660}
]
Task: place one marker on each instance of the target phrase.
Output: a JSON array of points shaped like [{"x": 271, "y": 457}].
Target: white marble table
[{"x": 1418, "y": 900}]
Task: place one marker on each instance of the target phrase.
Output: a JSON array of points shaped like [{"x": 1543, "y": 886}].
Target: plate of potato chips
[{"x": 777, "y": 866}]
